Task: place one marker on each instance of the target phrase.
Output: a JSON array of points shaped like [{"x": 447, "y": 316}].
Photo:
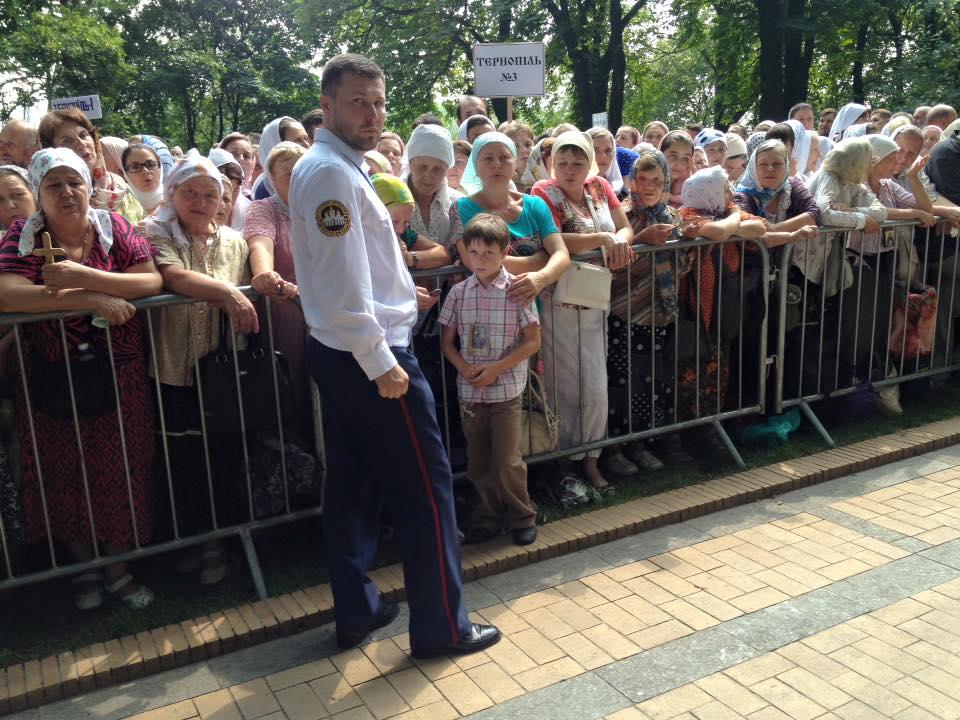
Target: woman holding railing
[{"x": 95, "y": 459}]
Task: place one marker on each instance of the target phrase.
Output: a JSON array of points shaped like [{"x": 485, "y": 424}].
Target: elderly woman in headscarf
[
  {"x": 849, "y": 115},
  {"x": 790, "y": 215},
  {"x": 430, "y": 155},
  {"x": 143, "y": 172},
  {"x": 278, "y": 130},
  {"x": 588, "y": 214},
  {"x": 105, "y": 264},
  {"x": 605, "y": 149},
  {"x": 643, "y": 313},
  {"x": 875, "y": 255},
  {"x": 708, "y": 211},
  {"x": 71, "y": 129},
  {"x": 206, "y": 261}
]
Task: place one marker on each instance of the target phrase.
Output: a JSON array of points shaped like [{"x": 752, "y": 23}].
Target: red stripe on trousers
[{"x": 454, "y": 635}]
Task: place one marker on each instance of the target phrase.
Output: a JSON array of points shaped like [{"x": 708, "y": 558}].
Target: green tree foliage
[{"x": 194, "y": 70}]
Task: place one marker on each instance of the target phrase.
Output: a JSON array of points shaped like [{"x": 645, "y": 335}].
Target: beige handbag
[
  {"x": 539, "y": 425},
  {"x": 585, "y": 284}
]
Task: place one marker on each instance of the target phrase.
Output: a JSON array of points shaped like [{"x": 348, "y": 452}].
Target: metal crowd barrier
[
  {"x": 829, "y": 336},
  {"x": 718, "y": 361}
]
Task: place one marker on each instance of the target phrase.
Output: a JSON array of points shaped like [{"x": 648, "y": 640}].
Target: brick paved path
[{"x": 841, "y": 600}]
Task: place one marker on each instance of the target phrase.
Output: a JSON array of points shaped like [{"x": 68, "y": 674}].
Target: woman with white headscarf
[
  {"x": 850, "y": 114},
  {"x": 106, "y": 264},
  {"x": 589, "y": 217},
  {"x": 875, "y": 256},
  {"x": 604, "y": 150},
  {"x": 113, "y": 148},
  {"x": 206, "y": 261},
  {"x": 430, "y": 156},
  {"x": 278, "y": 130},
  {"x": 230, "y": 168},
  {"x": 473, "y": 127},
  {"x": 801, "y": 146},
  {"x": 143, "y": 172}
]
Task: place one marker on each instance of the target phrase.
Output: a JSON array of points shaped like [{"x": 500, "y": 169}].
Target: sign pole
[{"x": 509, "y": 109}]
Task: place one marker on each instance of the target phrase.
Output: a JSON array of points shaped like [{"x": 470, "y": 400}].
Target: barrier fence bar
[{"x": 712, "y": 339}]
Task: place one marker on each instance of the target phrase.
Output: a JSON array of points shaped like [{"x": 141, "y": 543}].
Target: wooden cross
[{"x": 49, "y": 252}]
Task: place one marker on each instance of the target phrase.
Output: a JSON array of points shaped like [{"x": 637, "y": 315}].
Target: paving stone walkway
[{"x": 840, "y": 600}]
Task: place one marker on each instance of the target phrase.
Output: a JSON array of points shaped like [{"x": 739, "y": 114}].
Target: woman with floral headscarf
[
  {"x": 589, "y": 217},
  {"x": 106, "y": 263},
  {"x": 71, "y": 129},
  {"x": 643, "y": 313},
  {"x": 206, "y": 261}
]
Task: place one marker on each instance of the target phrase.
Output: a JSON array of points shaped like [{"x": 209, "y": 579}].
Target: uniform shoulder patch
[{"x": 333, "y": 218}]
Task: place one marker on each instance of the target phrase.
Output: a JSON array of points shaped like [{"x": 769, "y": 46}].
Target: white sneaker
[{"x": 888, "y": 398}]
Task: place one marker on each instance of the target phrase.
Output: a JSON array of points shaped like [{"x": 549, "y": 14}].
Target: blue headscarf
[
  {"x": 471, "y": 181},
  {"x": 162, "y": 151},
  {"x": 625, "y": 160}
]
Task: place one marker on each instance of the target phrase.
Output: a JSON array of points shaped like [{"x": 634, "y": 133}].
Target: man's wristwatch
[{"x": 416, "y": 261}]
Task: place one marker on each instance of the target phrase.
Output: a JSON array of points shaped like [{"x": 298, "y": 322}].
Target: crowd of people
[{"x": 510, "y": 204}]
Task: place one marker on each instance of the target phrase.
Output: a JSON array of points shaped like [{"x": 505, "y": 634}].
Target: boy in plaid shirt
[{"x": 497, "y": 336}]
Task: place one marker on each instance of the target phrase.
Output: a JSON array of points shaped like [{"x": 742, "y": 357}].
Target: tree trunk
[
  {"x": 504, "y": 28},
  {"x": 896, "y": 25},
  {"x": 858, "y": 93},
  {"x": 771, "y": 58},
  {"x": 794, "y": 79},
  {"x": 617, "y": 60}
]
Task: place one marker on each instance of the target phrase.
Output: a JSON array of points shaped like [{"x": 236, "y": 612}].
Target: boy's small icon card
[{"x": 479, "y": 338}]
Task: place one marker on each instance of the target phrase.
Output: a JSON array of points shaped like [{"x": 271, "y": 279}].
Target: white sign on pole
[
  {"x": 600, "y": 120},
  {"x": 89, "y": 105},
  {"x": 509, "y": 69}
]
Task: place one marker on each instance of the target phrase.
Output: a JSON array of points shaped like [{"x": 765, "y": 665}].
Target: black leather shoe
[
  {"x": 481, "y": 637},
  {"x": 352, "y": 638},
  {"x": 525, "y": 536}
]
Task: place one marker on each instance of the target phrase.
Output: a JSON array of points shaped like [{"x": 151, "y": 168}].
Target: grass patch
[{"x": 40, "y": 620}]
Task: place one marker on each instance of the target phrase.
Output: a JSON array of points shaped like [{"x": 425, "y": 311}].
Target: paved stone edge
[{"x": 34, "y": 683}]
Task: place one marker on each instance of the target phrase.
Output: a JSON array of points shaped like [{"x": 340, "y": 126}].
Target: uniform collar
[
  {"x": 325, "y": 136},
  {"x": 500, "y": 282}
]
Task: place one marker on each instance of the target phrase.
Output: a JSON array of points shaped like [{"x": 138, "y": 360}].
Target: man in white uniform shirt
[{"x": 383, "y": 443}]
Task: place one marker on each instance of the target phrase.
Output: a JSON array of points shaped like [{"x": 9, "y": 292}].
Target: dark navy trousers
[{"x": 388, "y": 453}]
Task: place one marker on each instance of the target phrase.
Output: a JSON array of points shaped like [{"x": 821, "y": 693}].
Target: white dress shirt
[{"x": 356, "y": 292}]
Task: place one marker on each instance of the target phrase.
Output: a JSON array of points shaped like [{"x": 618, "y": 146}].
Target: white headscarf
[
  {"x": 151, "y": 199},
  {"x": 43, "y": 162},
  {"x": 465, "y": 125},
  {"x": 801, "y": 145},
  {"x": 191, "y": 165},
  {"x": 881, "y": 146},
  {"x": 268, "y": 140},
  {"x": 430, "y": 141},
  {"x": 536, "y": 169},
  {"x": 575, "y": 138},
  {"x": 854, "y": 131},
  {"x": 114, "y": 147},
  {"x": 706, "y": 190},
  {"x": 845, "y": 118},
  {"x": 241, "y": 203},
  {"x": 612, "y": 175}
]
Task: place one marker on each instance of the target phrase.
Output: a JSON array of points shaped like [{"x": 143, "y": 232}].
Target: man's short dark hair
[
  {"x": 488, "y": 229},
  {"x": 797, "y": 108},
  {"x": 340, "y": 65},
  {"x": 311, "y": 121},
  {"x": 783, "y": 133},
  {"x": 426, "y": 119}
]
